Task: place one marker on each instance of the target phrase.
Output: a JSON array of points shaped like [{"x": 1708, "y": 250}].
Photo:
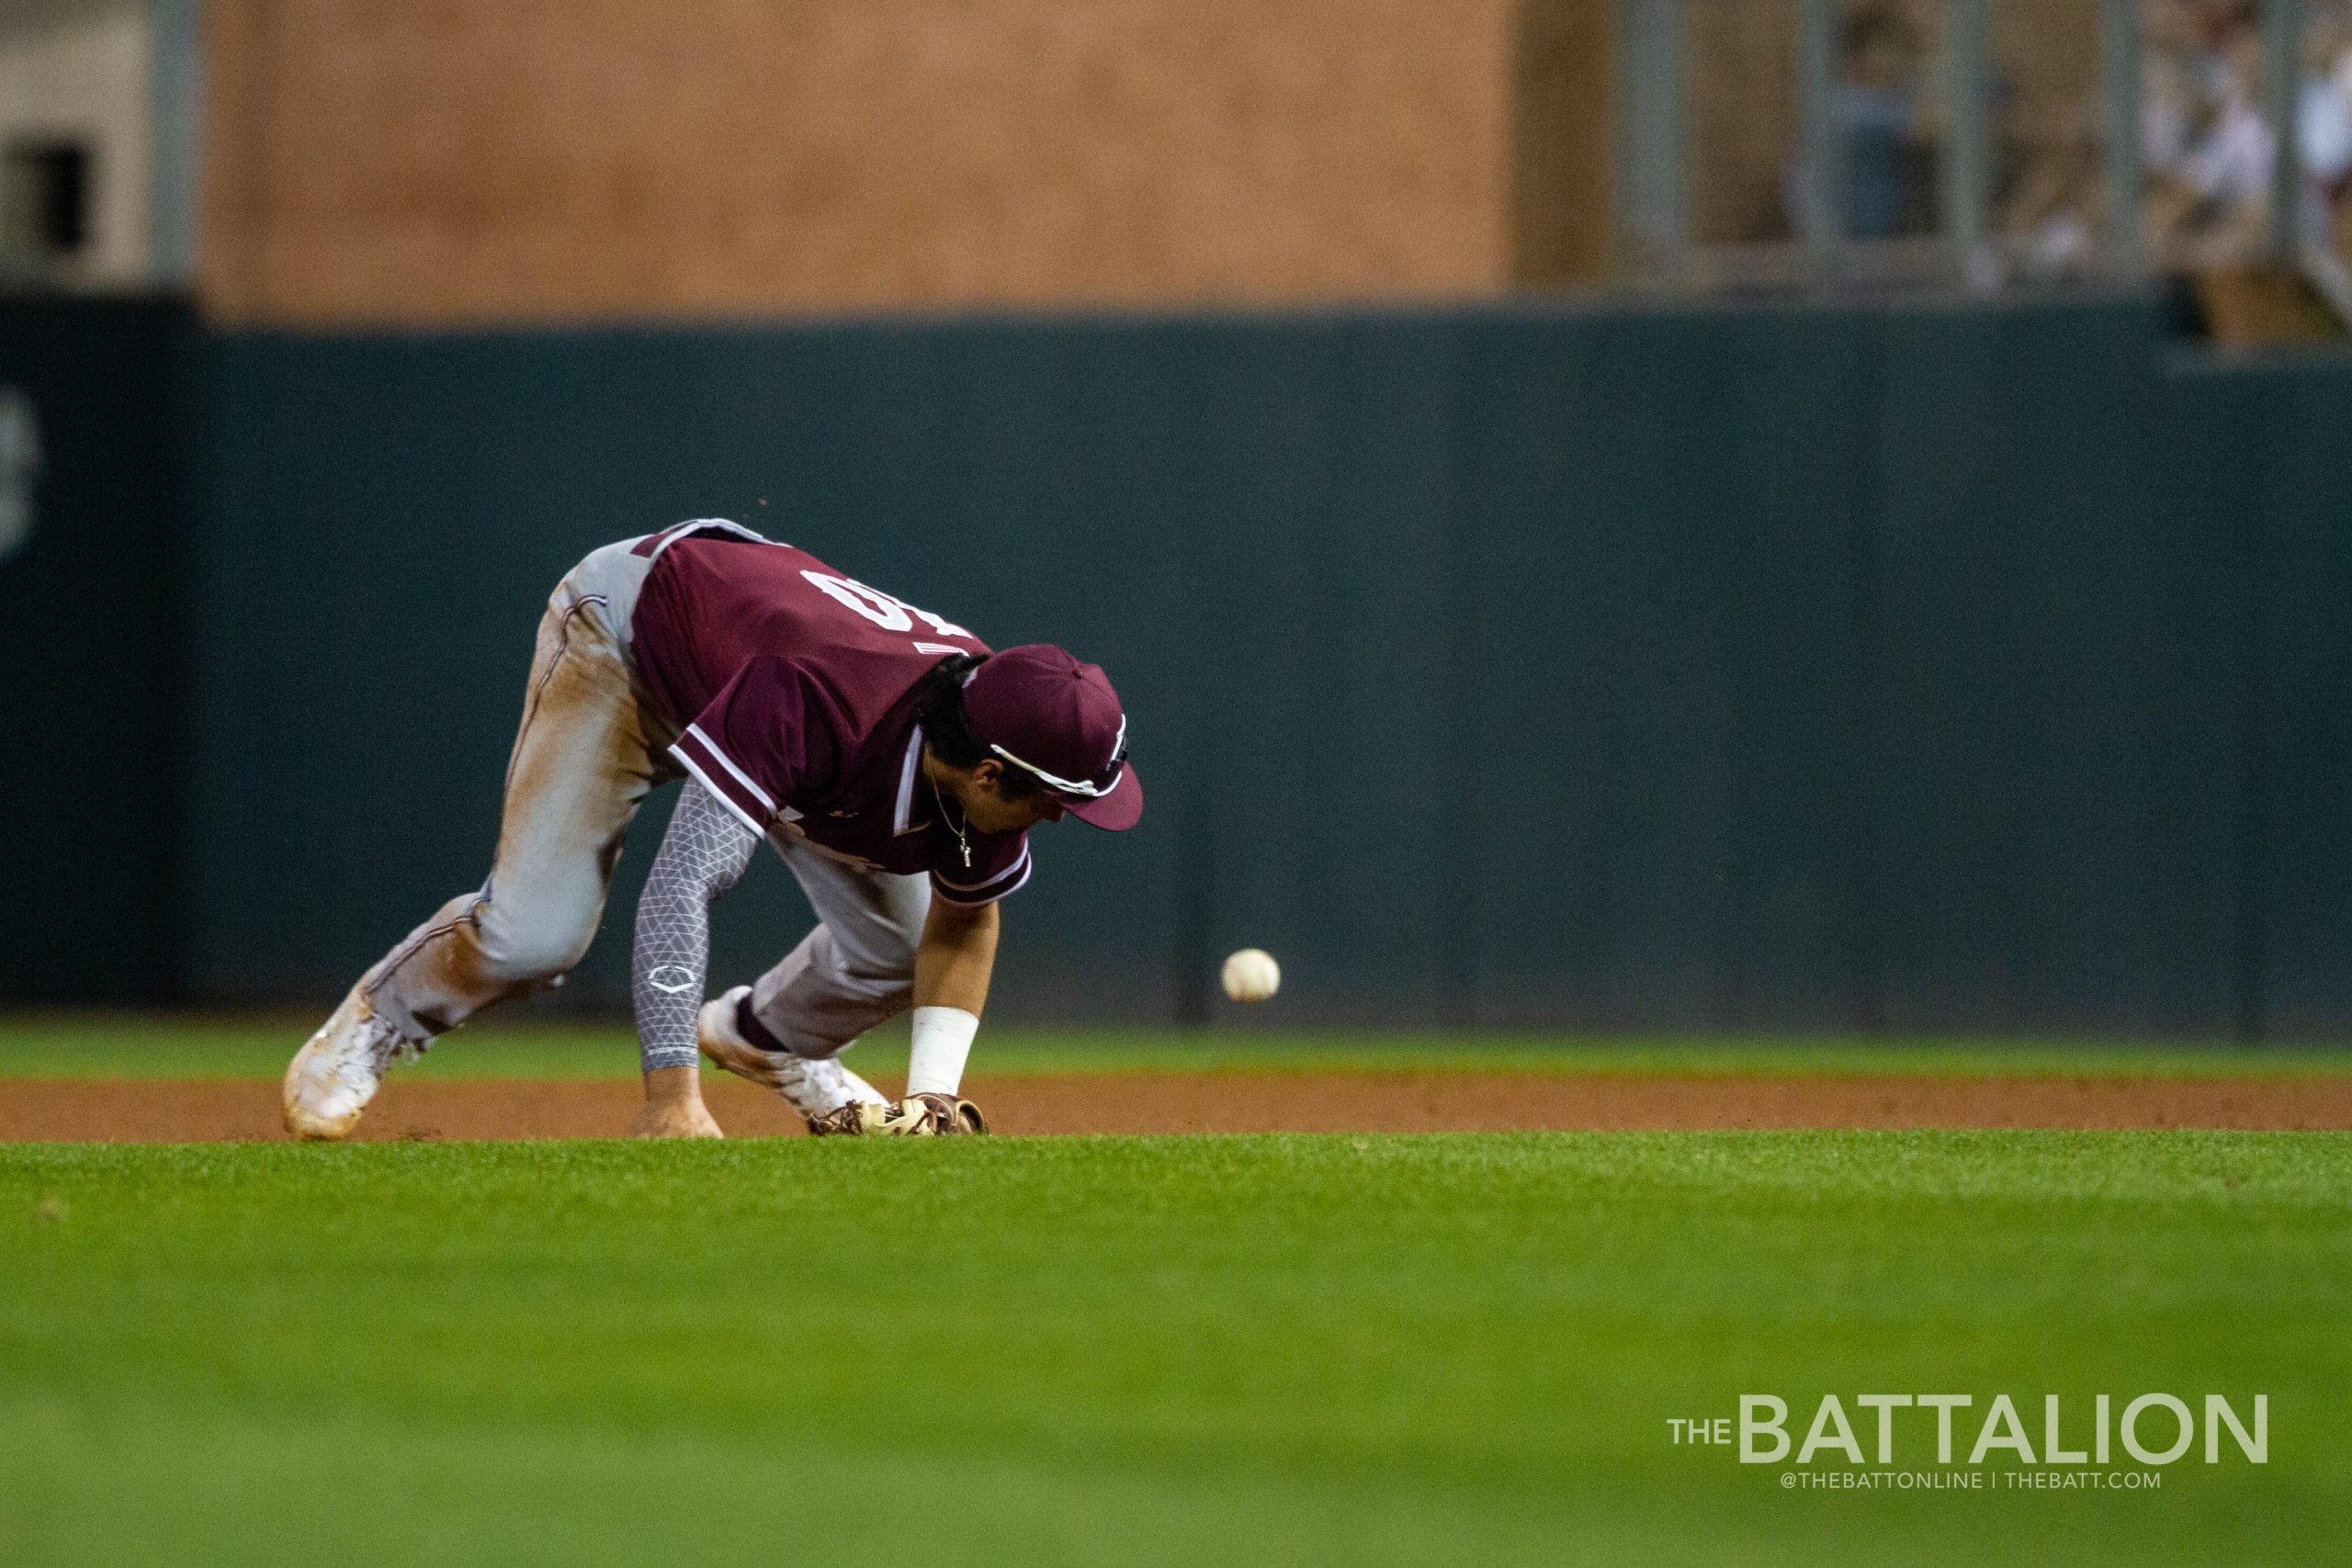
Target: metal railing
[{"x": 1654, "y": 205}]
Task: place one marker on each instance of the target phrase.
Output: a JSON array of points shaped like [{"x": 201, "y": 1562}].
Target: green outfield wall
[
  {"x": 1972, "y": 668},
  {"x": 94, "y": 646}
]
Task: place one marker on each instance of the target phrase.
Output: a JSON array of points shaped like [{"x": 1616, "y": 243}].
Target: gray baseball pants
[{"x": 589, "y": 750}]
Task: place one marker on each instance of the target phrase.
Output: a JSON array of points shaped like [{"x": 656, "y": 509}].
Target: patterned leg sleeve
[{"x": 704, "y": 852}]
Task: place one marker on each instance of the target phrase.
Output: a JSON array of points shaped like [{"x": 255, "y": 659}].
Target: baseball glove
[{"x": 917, "y": 1116}]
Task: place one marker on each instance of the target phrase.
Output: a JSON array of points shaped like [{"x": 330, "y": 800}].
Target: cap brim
[{"x": 1115, "y": 812}]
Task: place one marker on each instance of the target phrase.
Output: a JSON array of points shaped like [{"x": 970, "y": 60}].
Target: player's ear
[{"x": 987, "y": 772}]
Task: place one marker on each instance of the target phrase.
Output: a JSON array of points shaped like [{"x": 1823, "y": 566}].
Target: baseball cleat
[
  {"x": 816, "y": 1086},
  {"x": 336, "y": 1074}
]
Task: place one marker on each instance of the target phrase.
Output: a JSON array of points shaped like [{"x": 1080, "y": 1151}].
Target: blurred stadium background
[{"x": 1633, "y": 515}]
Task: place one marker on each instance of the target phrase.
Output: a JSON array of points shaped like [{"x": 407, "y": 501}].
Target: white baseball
[{"x": 1252, "y": 976}]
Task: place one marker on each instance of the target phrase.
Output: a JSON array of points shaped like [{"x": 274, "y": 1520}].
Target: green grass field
[{"x": 1429, "y": 1349}]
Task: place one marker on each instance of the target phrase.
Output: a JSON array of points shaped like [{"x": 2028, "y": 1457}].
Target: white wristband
[{"x": 943, "y": 1040}]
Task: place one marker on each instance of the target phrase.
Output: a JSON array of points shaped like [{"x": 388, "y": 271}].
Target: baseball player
[{"x": 893, "y": 760}]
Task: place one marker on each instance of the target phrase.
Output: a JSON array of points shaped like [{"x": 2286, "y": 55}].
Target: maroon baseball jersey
[{"x": 793, "y": 689}]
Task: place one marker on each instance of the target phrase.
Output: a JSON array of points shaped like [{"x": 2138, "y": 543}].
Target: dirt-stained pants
[{"x": 589, "y": 750}]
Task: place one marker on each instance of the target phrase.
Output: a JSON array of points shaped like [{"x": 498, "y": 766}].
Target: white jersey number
[{"x": 890, "y": 614}]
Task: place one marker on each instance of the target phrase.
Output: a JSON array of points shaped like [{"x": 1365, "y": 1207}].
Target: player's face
[{"x": 990, "y": 811}]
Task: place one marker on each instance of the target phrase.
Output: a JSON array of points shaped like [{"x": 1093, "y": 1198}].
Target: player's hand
[
  {"x": 673, "y": 1107},
  {"x": 678, "y": 1119}
]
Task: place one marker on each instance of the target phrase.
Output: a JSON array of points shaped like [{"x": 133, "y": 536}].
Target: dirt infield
[{"x": 213, "y": 1110}]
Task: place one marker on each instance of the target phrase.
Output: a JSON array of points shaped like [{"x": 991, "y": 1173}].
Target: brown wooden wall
[{"x": 468, "y": 160}]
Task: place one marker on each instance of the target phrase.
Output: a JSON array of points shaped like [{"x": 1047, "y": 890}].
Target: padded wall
[
  {"x": 93, "y": 652},
  {"x": 1930, "y": 669}
]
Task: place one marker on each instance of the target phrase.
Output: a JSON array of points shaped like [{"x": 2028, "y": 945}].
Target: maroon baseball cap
[{"x": 1038, "y": 709}]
